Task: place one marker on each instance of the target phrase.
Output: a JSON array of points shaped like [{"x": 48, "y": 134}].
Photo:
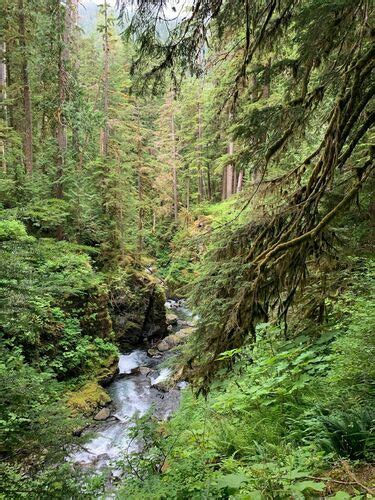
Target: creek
[{"x": 137, "y": 389}]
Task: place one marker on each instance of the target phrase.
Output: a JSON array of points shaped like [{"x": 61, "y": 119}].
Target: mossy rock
[
  {"x": 137, "y": 305},
  {"x": 88, "y": 398},
  {"x": 109, "y": 371}
]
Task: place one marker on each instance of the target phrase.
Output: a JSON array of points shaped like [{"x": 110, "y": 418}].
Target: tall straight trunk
[
  {"x": 140, "y": 182},
  {"x": 63, "y": 80},
  {"x": 239, "y": 181},
  {"x": 209, "y": 187},
  {"x": 174, "y": 163},
  {"x": 224, "y": 185},
  {"x": 201, "y": 182},
  {"x": 27, "y": 138},
  {"x": 3, "y": 97},
  {"x": 105, "y": 130},
  {"x": 230, "y": 172}
]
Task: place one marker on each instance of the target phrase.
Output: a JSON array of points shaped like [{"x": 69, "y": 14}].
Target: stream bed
[{"x": 134, "y": 392}]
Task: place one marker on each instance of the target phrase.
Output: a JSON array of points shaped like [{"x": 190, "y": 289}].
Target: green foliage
[
  {"x": 33, "y": 417},
  {"x": 12, "y": 230},
  {"x": 46, "y": 285},
  {"x": 45, "y": 215},
  {"x": 287, "y": 411}
]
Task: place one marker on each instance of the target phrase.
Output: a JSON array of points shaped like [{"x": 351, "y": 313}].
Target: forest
[{"x": 187, "y": 231}]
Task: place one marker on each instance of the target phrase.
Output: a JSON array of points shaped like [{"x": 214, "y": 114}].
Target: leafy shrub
[
  {"x": 45, "y": 215},
  {"x": 33, "y": 417},
  {"x": 12, "y": 230}
]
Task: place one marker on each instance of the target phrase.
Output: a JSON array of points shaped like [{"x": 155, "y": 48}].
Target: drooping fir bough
[{"x": 312, "y": 126}]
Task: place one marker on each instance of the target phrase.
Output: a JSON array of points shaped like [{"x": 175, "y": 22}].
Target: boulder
[
  {"x": 110, "y": 370},
  {"x": 164, "y": 345},
  {"x": 174, "y": 340},
  {"x": 185, "y": 332},
  {"x": 103, "y": 414},
  {"x": 145, "y": 370},
  {"x": 137, "y": 307},
  {"x": 172, "y": 319},
  {"x": 88, "y": 398},
  {"x": 153, "y": 352},
  {"x": 134, "y": 371},
  {"x": 162, "y": 386}
]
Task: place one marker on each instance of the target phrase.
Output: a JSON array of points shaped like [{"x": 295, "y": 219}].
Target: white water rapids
[{"x": 132, "y": 393}]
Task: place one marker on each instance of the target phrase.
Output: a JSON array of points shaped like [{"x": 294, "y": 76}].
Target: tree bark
[
  {"x": 3, "y": 97},
  {"x": 239, "y": 182},
  {"x": 230, "y": 172},
  {"x": 105, "y": 130},
  {"x": 224, "y": 185},
  {"x": 27, "y": 138},
  {"x": 140, "y": 182},
  {"x": 174, "y": 163}
]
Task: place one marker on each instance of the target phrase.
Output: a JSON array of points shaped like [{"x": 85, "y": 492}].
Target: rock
[
  {"x": 171, "y": 319},
  {"x": 145, "y": 370},
  {"x": 88, "y": 398},
  {"x": 185, "y": 332},
  {"x": 153, "y": 352},
  {"x": 164, "y": 345},
  {"x": 137, "y": 306},
  {"x": 174, "y": 340},
  {"x": 103, "y": 414},
  {"x": 109, "y": 371},
  {"x": 134, "y": 371},
  {"x": 169, "y": 328},
  {"x": 161, "y": 386},
  {"x": 182, "y": 323}
]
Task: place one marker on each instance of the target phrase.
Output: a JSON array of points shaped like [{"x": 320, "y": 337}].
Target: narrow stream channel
[{"x": 133, "y": 392}]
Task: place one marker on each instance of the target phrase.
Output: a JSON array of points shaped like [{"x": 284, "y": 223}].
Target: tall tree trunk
[
  {"x": 209, "y": 187},
  {"x": 27, "y": 111},
  {"x": 174, "y": 162},
  {"x": 3, "y": 97},
  {"x": 188, "y": 192},
  {"x": 201, "y": 183},
  {"x": 105, "y": 130},
  {"x": 239, "y": 182},
  {"x": 140, "y": 181},
  {"x": 224, "y": 185},
  {"x": 63, "y": 82},
  {"x": 230, "y": 172}
]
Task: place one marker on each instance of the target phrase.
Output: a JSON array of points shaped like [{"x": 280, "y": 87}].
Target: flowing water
[{"x": 132, "y": 393}]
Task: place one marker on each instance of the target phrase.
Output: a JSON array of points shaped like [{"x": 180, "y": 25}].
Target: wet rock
[
  {"x": 174, "y": 340},
  {"x": 172, "y": 319},
  {"x": 103, "y": 414},
  {"x": 134, "y": 371},
  {"x": 109, "y": 372},
  {"x": 145, "y": 370},
  {"x": 164, "y": 345},
  {"x": 162, "y": 386},
  {"x": 153, "y": 352},
  {"x": 88, "y": 398},
  {"x": 139, "y": 315}
]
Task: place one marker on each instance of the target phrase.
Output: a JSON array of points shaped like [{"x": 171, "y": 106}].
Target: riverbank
[{"x": 142, "y": 385}]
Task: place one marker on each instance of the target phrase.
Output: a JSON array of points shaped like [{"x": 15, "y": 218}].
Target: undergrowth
[{"x": 289, "y": 412}]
